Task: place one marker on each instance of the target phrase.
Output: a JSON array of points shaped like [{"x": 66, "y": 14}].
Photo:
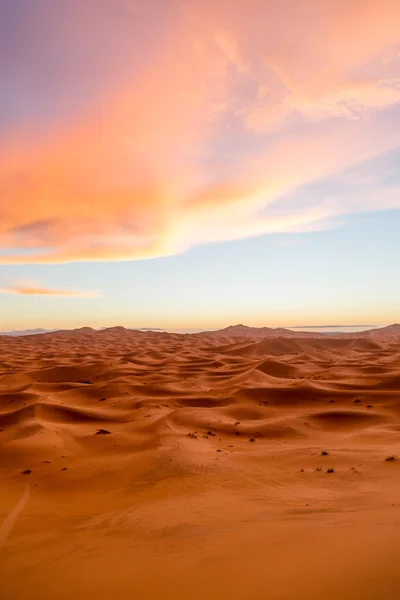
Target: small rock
[
  {"x": 103, "y": 432},
  {"x": 27, "y": 472}
]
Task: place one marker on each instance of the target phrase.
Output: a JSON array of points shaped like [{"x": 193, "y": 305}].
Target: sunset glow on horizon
[{"x": 250, "y": 149}]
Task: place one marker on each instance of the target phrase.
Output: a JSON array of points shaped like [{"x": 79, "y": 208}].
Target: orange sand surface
[{"x": 166, "y": 466}]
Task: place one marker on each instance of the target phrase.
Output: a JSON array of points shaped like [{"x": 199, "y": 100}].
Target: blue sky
[
  {"x": 199, "y": 166},
  {"x": 347, "y": 275}
]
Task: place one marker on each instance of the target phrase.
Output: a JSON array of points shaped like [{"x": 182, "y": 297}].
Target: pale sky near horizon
[{"x": 191, "y": 164}]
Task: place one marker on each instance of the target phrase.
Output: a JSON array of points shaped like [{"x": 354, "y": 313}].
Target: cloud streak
[
  {"x": 43, "y": 291},
  {"x": 217, "y": 118}
]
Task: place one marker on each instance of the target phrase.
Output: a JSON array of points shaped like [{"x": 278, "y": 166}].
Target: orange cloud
[
  {"x": 236, "y": 109},
  {"x": 42, "y": 291}
]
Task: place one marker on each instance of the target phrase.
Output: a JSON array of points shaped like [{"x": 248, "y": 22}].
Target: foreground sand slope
[{"x": 160, "y": 466}]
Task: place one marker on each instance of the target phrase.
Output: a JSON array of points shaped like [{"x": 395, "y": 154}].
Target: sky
[{"x": 190, "y": 164}]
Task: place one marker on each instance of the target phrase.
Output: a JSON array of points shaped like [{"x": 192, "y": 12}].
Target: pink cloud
[
  {"x": 43, "y": 291},
  {"x": 240, "y": 105}
]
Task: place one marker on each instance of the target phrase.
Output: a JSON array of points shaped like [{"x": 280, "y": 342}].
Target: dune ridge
[{"x": 194, "y": 456}]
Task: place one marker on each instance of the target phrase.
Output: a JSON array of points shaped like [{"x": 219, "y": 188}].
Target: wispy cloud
[
  {"x": 42, "y": 291},
  {"x": 195, "y": 131}
]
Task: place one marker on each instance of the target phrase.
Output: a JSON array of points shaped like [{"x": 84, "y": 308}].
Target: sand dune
[{"x": 233, "y": 464}]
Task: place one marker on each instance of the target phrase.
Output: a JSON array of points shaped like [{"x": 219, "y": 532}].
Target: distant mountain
[
  {"x": 70, "y": 332},
  {"x": 338, "y": 327},
  {"x": 106, "y": 332},
  {"x": 18, "y": 332},
  {"x": 124, "y": 330},
  {"x": 379, "y": 333},
  {"x": 257, "y": 333},
  {"x": 390, "y": 332}
]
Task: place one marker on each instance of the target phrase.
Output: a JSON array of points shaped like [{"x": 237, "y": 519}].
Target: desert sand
[{"x": 162, "y": 466}]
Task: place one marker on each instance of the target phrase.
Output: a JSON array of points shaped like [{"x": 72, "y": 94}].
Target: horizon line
[{"x": 38, "y": 330}]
